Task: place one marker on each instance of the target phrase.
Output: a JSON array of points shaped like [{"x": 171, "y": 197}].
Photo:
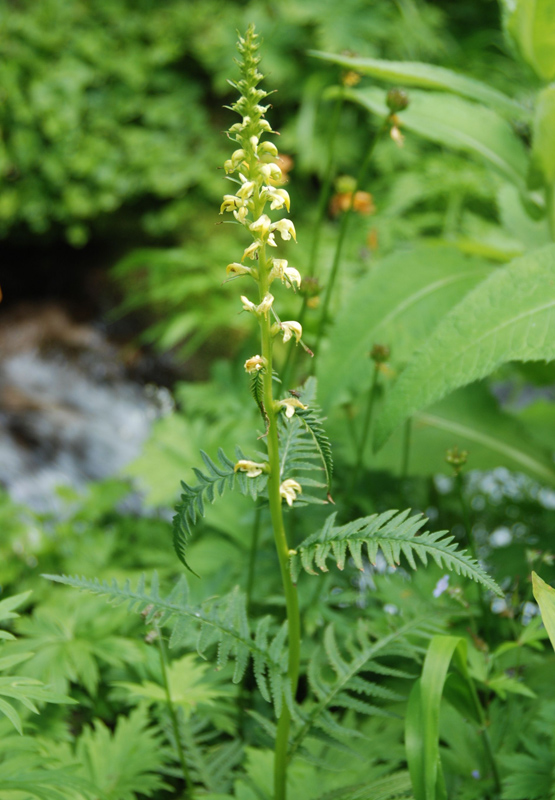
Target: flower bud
[
  {"x": 397, "y": 100},
  {"x": 255, "y": 364}
]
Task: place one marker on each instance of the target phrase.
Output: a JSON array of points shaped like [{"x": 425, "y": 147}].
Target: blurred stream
[{"x": 69, "y": 410}]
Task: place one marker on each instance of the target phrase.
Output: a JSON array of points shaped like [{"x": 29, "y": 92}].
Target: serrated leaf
[
  {"x": 509, "y": 316},
  {"x": 459, "y": 125},
  {"x": 397, "y": 303},
  {"x": 428, "y": 76}
]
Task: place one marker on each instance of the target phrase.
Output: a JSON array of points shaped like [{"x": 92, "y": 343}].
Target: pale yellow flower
[
  {"x": 286, "y": 228},
  {"x": 252, "y": 250},
  {"x": 290, "y": 404},
  {"x": 291, "y": 328},
  {"x": 238, "y": 269},
  {"x": 252, "y": 468},
  {"x": 286, "y": 274},
  {"x": 261, "y": 226},
  {"x": 263, "y": 307},
  {"x": 255, "y": 364},
  {"x": 289, "y": 490},
  {"x": 230, "y": 202},
  {"x": 271, "y": 172}
]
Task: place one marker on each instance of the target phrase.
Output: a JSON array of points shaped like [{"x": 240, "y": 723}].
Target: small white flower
[
  {"x": 263, "y": 124},
  {"x": 261, "y": 226},
  {"x": 286, "y": 228},
  {"x": 271, "y": 240},
  {"x": 290, "y": 404},
  {"x": 252, "y": 468},
  {"x": 235, "y": 161},
  {"x": 254, "y": 142},
  {"x": 289, "y": 490},
  {"x": 247, "y": 304},
  {"x": 255, "y": 364},
  {"x": 291, "y": 328}
]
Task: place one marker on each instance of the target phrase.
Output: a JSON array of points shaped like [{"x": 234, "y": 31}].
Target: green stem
[
  {"x": 282, "y": 547},
  {"x": 366, "y": 425},
  {"x": 459, "y": 480},
  {"x": 345, "y": 219},
  {"x": 407, "y": 437},
  {"x": 173, "y": 715}
]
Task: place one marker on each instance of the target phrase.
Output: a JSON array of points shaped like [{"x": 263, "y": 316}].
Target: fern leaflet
[
  {"x": 221, "y": 622},
  {"x": 312, "y": 421},
  {"x": 346, "y": 689},
  {"x": 217, "y": 479},
  {"x": 394, "y": 533}
]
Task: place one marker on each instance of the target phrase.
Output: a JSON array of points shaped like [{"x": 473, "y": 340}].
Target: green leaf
[
  {"x": 428, "y": 76},
  {"x": 509, "y": 316},
  {"x": 398, "y": 303},
  {"x": 457, "y": 124},
  {"x": 422, "y": 719},
  {"x": 472, "y": 420},
  {"x": 394, "y": 534},
  {"x": 545, "y": 596},
  {"x": 531, "y": 23}
]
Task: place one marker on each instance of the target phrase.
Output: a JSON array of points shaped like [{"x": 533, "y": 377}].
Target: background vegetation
[{"x": 112, "y": 117}]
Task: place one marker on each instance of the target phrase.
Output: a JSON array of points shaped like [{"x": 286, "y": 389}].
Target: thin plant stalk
[
  {"x": 407, "y": 440},
  {"x": 343, "y": 232},
  {"x": 282, "y": 547},
  {"x": 189, "y": 792},
  {"x": 371, "y": 400}
]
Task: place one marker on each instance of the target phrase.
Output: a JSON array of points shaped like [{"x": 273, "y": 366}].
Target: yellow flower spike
[
  {"x": 286, "y": 229},
  {"x": 289, "y": 490},
  {"x": 252, "y": 468}
]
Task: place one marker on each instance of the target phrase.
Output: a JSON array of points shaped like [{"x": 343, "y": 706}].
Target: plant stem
[
  {"x": 407, "y": 433},
  {"x": 282, "y": 547},
  {"x": 343, "y": 232},
  {"x": 372, "y": 392},
  {"x": 173, "y": 715},
  {"x": 459, "y": 480}
]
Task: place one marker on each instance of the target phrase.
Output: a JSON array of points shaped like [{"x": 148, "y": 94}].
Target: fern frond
[
  {"x": 219, "y": 622},
  {"x": 343, "y": 690},
  {"x": 312, "y": 420},
  {"x": 395, "y": 534},
  {"x": 390, "y": 787},
  {"x": 214, "y": 482}
]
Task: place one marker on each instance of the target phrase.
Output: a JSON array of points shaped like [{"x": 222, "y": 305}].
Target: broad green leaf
[
  {"x": 422, "y": 719},
  {"x": 509, "y": 317},
  {"x": 398, "y": 303},
  {"x": 545, "y": 596},
  {"x": 470, "y": 419},
  {"x": 428, "y": 76},
  {"x": 531, "y": 23},
  {"x": 456, "y": 123}
]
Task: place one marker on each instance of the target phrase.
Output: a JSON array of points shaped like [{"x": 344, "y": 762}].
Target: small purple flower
[
  {"x": 476, "y": 774},
  {"x": 441, "y": 586}
]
